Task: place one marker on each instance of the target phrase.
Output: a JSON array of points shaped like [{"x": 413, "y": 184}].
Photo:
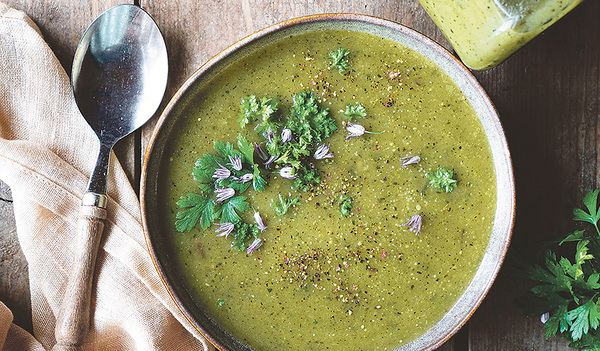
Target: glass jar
[{"x": 485, "y": 32}]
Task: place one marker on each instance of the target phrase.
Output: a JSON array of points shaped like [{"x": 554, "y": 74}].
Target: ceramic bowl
[{"x": 188, "y": 93}]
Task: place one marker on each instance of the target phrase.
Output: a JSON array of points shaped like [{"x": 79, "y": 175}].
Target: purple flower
[
  {"x": 410, "y": 160},
  {"x": 224, "y": 193},
  {"x": 287, "y": 172},
  {"x": 415, "y": 223},
  {"x": 286, "y": 135},
  {"x": 225, "y": 229},
  {"x": 270, "y": 161},
  {"x": 260, "y": 151},
  {"x": 246, "y": 177},
  {"x": 323, "y": 152},
  {"x": 255, "y": 245},
  {"x": 259, "y": 222},
  {"x": 544, "y": 317},
  {"x": 235, "y": 162},
  {"x": 269, "y": 135},
  {"x": 354, "y": 130},
  {"x": 221, "y": 173}
]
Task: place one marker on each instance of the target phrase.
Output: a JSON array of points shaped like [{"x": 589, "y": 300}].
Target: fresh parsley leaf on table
[{"x": 567, "y": 292}]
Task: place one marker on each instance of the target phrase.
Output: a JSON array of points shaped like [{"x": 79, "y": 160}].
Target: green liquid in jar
[{"x": 485, "y": 32}]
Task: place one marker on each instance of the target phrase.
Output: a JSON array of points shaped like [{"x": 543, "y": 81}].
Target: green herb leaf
[
  {"x": 228, "y": 209},
  {"x": 593, "y": 214},
  {"x": 339, "y": 59},
  {"x": 236, "y": 185},
  {"x": 263, "y": 110},
  {"x": 577, "y": 235},
  {"x": 220, "y": 302},
  {"x": 345, "y": 206},
  {"x": 194, "y": 207},
  {"x": 441, "y": 180},
  {"x": 281, "y": 205},
  {"x": 355, "y": 112},
  {"x": 579, "y": 319},
  {"x": 246, "y": 149},
  {"x": 308, "y": 121},
  {"x": 243, "y": 233},
  {"x": 204, "y": 169},
  {"x": 258, "y": 182}
]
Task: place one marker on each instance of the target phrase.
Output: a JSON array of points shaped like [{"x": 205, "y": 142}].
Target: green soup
[{"x": 321, "y": 281}]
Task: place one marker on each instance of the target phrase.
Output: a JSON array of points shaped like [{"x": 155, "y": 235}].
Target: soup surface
[{"x": 321, "y": 281}]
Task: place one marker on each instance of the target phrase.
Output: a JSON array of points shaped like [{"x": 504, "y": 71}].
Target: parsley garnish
[
  {"x": 309, "y": 125},
  {"x": 345, "y": 205},
  {"x": 220, "y": 302},
  {"x": 195, "y": 207},
  {"x": 569, "y": 291},
  {"x": 263, "y": 110},
  {"x": 292, "y": 147},
  {"x": 441, "y": 180},
  {"x": 339, "y": 59},
  {"x": 355, "y": 112},
  {"x": 228, "y": 210},
  {"x": 593, "y": 213},
  {"x": 230, "y": 169},
  {"x": 244, "y": 232},
  {"x": 281, "y": 205}
]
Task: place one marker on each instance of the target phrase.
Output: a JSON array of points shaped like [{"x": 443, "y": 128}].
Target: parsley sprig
[
  {"x": 345, "y": 206},
  {"x": 231, "y": 168},
  {"x": 442, "y": 180},
  {"x": 309, "y": 125},
  {"x": 339, "y": 59},
  {"x": 355, "y": 112},
  {"x": 282, "y": 205},
  {"x": 569, "y": 291},
  {"x": 290, "y": 145}
]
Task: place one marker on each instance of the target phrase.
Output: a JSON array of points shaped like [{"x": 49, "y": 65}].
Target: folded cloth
[{"x": 47, "y": 152}]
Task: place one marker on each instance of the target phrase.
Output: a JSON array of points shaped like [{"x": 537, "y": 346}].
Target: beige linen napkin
[{"x": 47, "y": 152}]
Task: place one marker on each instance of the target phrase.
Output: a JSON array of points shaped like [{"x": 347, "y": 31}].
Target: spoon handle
[{"x": 74, "y": 315}]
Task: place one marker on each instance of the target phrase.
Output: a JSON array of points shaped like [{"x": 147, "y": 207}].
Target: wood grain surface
[{"x": 547, "y": 96}]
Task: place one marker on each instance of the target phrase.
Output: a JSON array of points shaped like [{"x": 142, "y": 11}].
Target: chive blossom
[
  {"x": 415, "y": 223},
  {"x": 259, "y": 222},
  {"x": 255, "y": 245},
  {"x": 260, "y": 151},
  {"x": 270, "y": 161},
  {"x": 287, "y": 172},
  {"x": 323, "y": 152},
  {"x": 235, "y": 162},
  {"x": 224, "y": 193},
  {"x": 225, "y": 229},
  {"x": 246, "y": 177},
  {"x": 221, "y": 173},
  {"x": 286, "y": 135},
  {"x": 409, "y": 160}
]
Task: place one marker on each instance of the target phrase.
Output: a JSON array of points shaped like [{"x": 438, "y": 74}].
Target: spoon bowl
[
  {"x": 119, "y": 73},
  {"x": 119, "y": 78}
]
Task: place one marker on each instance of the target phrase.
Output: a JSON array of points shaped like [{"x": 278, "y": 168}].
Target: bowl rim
[{"x": 333, "y": 17}]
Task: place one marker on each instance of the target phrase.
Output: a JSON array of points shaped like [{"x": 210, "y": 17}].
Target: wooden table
[{"x": 547, "y": 95}]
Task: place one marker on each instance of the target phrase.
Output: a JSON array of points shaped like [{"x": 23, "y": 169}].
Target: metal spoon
[{"x": 119, "y": 78}]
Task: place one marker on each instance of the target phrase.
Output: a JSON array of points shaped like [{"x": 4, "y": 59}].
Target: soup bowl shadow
[{"x": 497, "y": 246}]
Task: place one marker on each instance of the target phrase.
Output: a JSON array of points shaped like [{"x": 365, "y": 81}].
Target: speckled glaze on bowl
[{"x": 505, "y": 209}]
